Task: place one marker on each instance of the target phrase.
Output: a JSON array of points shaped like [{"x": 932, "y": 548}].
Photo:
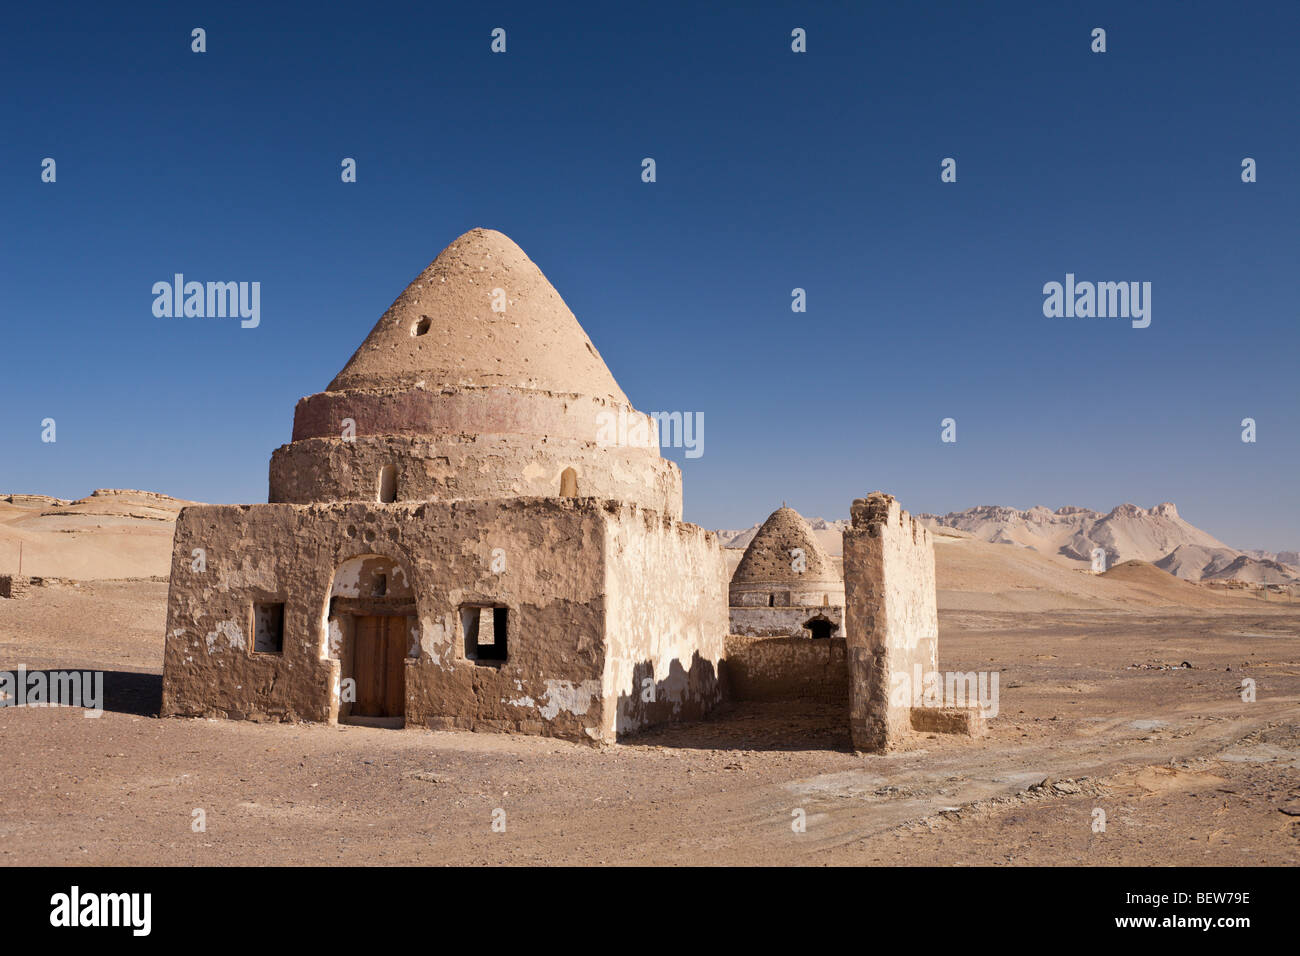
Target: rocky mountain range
[{"x": 1158, "y": 535}]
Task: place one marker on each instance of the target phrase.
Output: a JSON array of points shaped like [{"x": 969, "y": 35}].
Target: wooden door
[{"x": 378, "y": 666}]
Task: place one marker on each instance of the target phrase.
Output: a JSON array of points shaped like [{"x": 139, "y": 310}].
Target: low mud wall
[{"x": 785, "y": 668}]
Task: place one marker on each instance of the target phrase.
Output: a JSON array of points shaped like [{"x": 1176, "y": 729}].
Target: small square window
[
  {"x": 484, "y": 630},
  {"x": 268, "y": 628}
]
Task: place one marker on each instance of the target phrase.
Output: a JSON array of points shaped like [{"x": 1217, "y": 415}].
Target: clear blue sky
[{"x": 775, "y": 171}]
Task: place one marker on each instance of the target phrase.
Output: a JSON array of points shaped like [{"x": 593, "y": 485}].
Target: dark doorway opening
[{"x": 820, "y": 627}]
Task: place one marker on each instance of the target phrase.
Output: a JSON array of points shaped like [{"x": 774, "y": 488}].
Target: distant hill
[
  {"x": 1158, "y": 536},
  {"x": 1193, "y": 562},
  {"x": 113, "y": 533},
  {"x": 1254, "y": 571}
]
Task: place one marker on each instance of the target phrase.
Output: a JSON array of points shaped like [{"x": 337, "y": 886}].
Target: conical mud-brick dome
[
  {"x": 784, "y": 566},
  {"x": 477, "y": 382},
  {"x": 481, "y": 314}
]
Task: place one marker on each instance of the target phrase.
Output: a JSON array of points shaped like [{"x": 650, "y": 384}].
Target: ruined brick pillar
[
  {"x": 891, "y": 618},
  {"x": 13, "y": 585}
]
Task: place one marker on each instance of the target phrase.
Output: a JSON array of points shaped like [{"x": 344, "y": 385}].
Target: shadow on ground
[
  {"x": 756, "y": 725},
  {"x": 124, "y": 692}
]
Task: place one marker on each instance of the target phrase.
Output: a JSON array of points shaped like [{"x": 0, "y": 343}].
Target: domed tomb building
[
  {"x": 452, "y": 539},
  {"x": 785, "y": 585}
]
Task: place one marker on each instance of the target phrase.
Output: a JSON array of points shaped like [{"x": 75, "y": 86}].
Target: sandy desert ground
[{"x": 1094, "y": 700}]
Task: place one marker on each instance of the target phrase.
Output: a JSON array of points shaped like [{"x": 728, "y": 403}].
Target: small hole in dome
[{"x": 421, "y": 326}]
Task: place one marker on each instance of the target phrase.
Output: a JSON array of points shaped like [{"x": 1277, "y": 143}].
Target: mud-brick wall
[
  {"x": 465, "y": 410},
  {"x": 224, "y": 559},
  {"x": 13, "y": 585},
  {"x": 666, "y": 605},
  {"x": 787, "y": 668},
  {"x": 891, "y": 620},
  {"x": 543, "y": 559},
  {"x": 470, "y": 466}
]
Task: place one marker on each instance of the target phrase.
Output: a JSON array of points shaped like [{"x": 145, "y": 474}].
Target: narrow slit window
[
  {"x": 388, "y": 483},
  {"x": 268, "y": 628}
]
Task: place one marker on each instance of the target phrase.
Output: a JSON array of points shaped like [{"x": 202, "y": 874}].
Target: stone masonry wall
[
  {"x": 782, "y": 621},
  {"x": 825, "y": 593}
]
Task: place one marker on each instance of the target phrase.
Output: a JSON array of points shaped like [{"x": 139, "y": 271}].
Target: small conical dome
[
  {"x": 443, "y": 330},
  {"x": 769, "y": 561}
]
